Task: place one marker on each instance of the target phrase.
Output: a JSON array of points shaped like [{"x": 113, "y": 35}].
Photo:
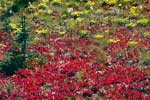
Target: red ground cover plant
[
  {"x": 55, "y": 82},
  {"x": 71, "y": 71}
]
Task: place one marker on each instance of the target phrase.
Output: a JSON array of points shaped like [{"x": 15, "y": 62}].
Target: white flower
[
  {"x": 70, "y": 10},
  {"x": 91, "y": 8}
]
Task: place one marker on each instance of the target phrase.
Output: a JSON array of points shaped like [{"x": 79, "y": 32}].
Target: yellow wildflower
[
  {"x": 79, "y": 19},
  {"x": 41, "y": 31},
  {"x": 13, "y": 26},
  {"x": 31, "y": 6},
  {"x": 83, "y": 31},
  {"x": 71, "y": 24},
  {"x": 42, "y": 6},
  {"x": 126, "y": 1},
  {"x": 146, "y": 34},
  {"x": 133, "y": 11},
  {"x": 131, "y": 24},
  {"x": 17, "y": 30},
  {"x": 76, "y": 13},
  {"x": 49, "y": 11},
  {"x": 62, "y": 33},
  {"x": 111, "y": 1},
  {"x": 98, "y": 36},
  {"x": 89, "y": 4},
  {"x": 132, "y": 43},
  {"x": 113, "y": 40},
  {"x": 120, "y": 5}
]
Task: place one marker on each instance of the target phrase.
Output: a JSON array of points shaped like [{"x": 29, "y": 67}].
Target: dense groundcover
[
  {"x": 74, "y": 50},
  {"x": 72, "y": 72}
]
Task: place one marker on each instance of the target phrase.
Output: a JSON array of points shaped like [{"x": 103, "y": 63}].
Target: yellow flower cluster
[
  {"x": 76, "y": 13},
  {"x": 40, "y": 9},
  {"x": 83, "y": 32},
  {"x": 146, "y": 34},
  {"x": 132, "y": 43},
  {"x": 113, "y": 40},
  {"x": 42, "y": 6},
  {"x": 90, "y": 4},
  {"x": 62, "y": 33},
  {"x": 31, "y": 6},
  {"x": 98, "y": 36},
  {"x": 133, "y": 11},
  {"x": 5, "y": 5},
  {"x": 41, "y": 31},
  {"x": 131, "y": 24},
  {"x": 126, "y": 1},
  {"x": 17, "y": 30},
  {"x": 111, "y": 1},
  {"x": 79, "y": 19},
  {"x": 14, "y": 28},
  {"x": 12, "y": 25}
]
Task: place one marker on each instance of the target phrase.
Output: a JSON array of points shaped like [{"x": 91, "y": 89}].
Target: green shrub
[{"x": 16, "y": 57}]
